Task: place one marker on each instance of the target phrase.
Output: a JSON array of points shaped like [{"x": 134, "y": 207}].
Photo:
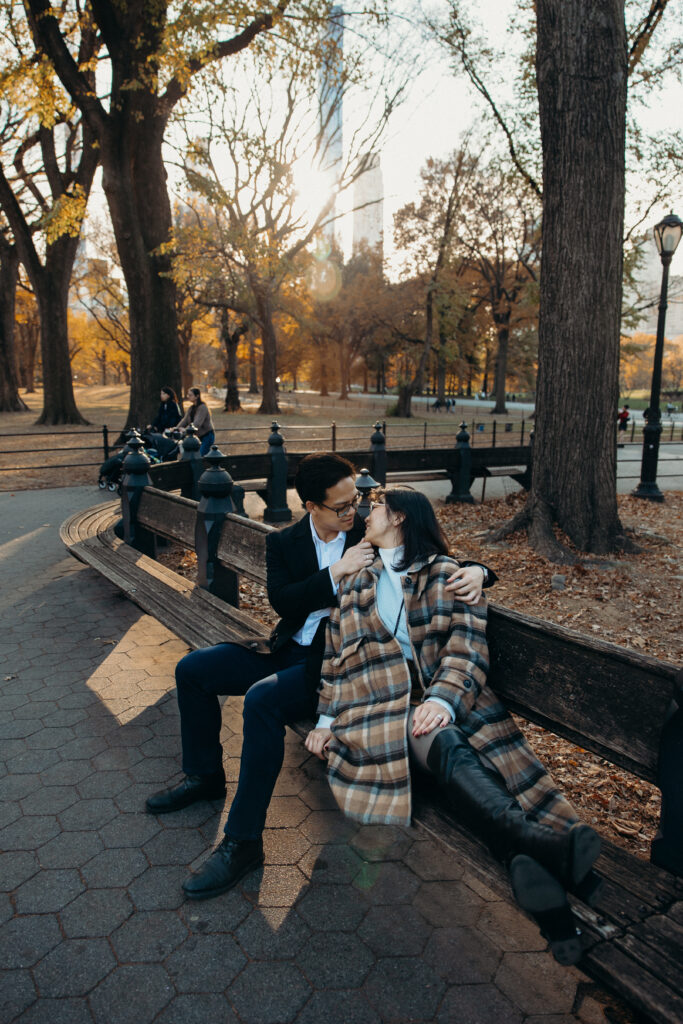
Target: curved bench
[{"x": 586, "y": 690}]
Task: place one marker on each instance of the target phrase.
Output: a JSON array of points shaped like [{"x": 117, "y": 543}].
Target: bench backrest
[
  {"x": 178, "y": 475},
  {"x": 605, "y": 698}
]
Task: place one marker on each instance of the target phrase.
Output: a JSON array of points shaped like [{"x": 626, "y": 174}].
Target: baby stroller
[{"x": 111, "y": 470}]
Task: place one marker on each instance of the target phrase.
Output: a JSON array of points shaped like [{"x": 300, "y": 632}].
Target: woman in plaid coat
[{"x": 404, "y": 679}]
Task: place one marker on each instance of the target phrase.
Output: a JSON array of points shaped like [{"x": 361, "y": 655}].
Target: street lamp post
[{"x": 667, "y": 236}]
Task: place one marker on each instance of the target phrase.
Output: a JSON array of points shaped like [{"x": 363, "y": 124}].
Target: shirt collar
[{"x": 317, "y": 539}]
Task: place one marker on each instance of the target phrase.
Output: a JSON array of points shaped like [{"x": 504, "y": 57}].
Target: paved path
[{"x": 344, "y": 925}]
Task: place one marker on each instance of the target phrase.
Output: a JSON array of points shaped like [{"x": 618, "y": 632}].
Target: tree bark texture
[
  {"x": 269, "y": 403},
  {"x": 134, "y": 182},
  {"x": 231, "y": 340},
  {"x": 51, "y": 288},
  {"x": 502, "y": 322},
  {"x": 50, "y": 282},
  {"x": 582, "y": 74},
  {"x": 10, "y": 400}
]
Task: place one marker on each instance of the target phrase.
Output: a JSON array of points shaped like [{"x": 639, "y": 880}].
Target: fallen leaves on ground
[{"x": 633, "y": 600}]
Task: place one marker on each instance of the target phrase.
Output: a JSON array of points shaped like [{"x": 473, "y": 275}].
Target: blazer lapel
[{"x": 303, "y": 549}]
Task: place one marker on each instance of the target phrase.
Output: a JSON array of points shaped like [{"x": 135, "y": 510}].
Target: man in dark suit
[{"x": 279, "y": 681}]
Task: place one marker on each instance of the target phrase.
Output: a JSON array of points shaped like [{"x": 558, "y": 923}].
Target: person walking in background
[
  {"x": 622, "y": 421},
  {"x": 199, "y": 415},
  {"x": 404, "y": 680},
  {"x": 168, "y": 414}
]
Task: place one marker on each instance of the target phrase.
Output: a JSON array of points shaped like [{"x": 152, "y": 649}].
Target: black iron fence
[{"x": 34, "y": 451}]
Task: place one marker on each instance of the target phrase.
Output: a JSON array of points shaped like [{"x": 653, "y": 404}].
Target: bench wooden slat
[
  {"x": 169, "y": 515},
  {"x": 616, "y": 969},
  {"x": 528, "y": 659}
]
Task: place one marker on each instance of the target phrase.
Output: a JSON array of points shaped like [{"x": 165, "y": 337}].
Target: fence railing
[{"x": 298, "y": 438}]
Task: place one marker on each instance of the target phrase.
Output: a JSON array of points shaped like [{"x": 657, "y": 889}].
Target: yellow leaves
[{"x": 66, "y": 215}]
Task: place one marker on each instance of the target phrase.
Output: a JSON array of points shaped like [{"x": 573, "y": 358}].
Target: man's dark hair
[
  {"x": 422, "y": 535},
  {"x": 318, "y": 472}
]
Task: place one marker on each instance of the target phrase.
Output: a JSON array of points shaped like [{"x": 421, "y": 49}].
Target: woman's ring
[{"x": 439, "y": 718}]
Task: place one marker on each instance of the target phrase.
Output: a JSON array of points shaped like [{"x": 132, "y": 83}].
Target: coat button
[{"x": 468, "y": 684}]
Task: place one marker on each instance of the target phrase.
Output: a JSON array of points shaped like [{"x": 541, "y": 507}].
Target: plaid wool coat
[{"x": 366, "y": 688}]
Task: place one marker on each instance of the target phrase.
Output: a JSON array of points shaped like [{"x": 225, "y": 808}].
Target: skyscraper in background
[
  {"x": 368, "y": 205},
  {"x": 331, "y": 107}
]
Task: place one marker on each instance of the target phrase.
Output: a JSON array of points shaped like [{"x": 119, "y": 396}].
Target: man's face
[{"x": 340, "y": 498}]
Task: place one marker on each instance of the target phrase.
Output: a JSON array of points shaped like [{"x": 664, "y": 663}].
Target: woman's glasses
[{"x": 376, "y": 504}]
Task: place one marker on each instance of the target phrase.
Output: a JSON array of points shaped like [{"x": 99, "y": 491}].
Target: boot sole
[
  {"x": 586, "y": 844},
  {"x": 541, "y": 895},
  {"x": 208, "y": 894},
  {"x": 184, "y": 803}
]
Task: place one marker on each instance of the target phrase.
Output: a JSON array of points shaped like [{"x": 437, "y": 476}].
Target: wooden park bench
[
  {"x": 622, "y": 705},
  {"x": 272, "y": 472}
]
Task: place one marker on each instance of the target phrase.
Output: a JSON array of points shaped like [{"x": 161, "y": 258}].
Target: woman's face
[
  {"x": 191, "y": 397},
  {"x": 165, "y": 397},
  {"x": 383, "y": 527}
]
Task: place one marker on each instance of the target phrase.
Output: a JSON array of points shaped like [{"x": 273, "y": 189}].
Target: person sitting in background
[
  {"x": 168, "y": 414},
  {"x": 402, "y": 660},
  {"x": 199, "y": 415}
]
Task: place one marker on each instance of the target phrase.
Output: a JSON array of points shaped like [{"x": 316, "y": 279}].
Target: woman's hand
[
  {"x": 317, "y": 741},
  {"x": 466, "y": 584},
  {"x": 428, "y": 716}
]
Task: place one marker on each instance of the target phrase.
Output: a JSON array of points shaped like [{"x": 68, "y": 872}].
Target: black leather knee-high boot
[{"x": 479, "y": 794}]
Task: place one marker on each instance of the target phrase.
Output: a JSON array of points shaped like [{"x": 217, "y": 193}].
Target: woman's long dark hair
[
  {"x": 422, "y": 535},
  {"x": 200, "y": 401}
]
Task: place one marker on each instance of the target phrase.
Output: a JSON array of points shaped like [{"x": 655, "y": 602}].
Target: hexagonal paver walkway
[{"x": 344, "y": 925}]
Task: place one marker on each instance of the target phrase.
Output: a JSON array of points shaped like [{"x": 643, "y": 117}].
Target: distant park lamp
[{"x": 667, "y": 236}]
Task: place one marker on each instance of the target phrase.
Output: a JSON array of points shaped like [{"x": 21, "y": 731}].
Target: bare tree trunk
[
  {"x": 51, "y": 288},
  {"x": 343, "y": 371},
  {"x": 502, "y": 322},
  {"x": 184, "y": 343},
  {"x": 10, "y": 400},
  {"x": 231, "y": 340},
  {"x": 269, "y": 403},
  {"x": 581, "y": 64},
  {"x": 253, "y": 377},
  {"x": 134, "y": 182}
]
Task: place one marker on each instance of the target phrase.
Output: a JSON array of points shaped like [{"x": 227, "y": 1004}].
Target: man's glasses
[{"x": 344, "y": 510}]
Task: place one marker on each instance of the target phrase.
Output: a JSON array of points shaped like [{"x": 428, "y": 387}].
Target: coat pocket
[{"x": 348, "y": 650}]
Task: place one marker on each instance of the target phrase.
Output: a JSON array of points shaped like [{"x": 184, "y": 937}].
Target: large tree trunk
[
  {"x": 581, "y": 70},
  {"x": 231, "y": 340},
  {"x": 51, "y": 287},
  {"x": 269, "y": 402},
  {"x": 134, "y": 182},
  {"x": 10, "y": 400}
]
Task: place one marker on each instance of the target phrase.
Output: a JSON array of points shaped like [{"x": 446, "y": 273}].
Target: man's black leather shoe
[
  {"x": 229, "y": 862},
  {"x": 187, "y": 792}
]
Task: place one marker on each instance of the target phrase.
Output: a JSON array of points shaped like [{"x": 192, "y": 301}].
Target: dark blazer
[{"x": 297, "y": 587}]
